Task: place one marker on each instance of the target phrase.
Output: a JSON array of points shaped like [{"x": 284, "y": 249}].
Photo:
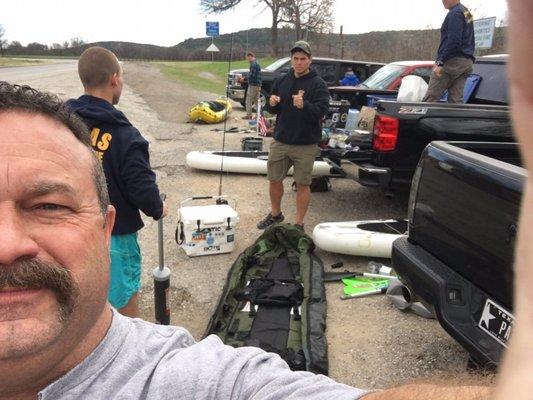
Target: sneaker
[
  {"x": 300, "y": 227},
  {"x": 270, "y": 220},
  {"x": 247, "y": 117}
]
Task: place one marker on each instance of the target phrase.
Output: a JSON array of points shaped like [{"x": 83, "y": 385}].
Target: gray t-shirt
[{"x": 141, "y": 360}]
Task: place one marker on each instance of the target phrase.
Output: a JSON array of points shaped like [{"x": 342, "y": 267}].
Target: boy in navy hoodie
[{"x": 130, "y": 179}]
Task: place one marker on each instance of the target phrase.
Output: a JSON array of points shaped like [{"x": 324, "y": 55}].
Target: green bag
[{"x": 274, "y": 298}]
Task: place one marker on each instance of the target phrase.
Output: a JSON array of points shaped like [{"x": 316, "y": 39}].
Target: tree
[
  {"x": 76, "y": 42},
  {"x": 3, "y": 42},
  {"x": 309, "y": 16},
  {"x": 276, "y": 6}
]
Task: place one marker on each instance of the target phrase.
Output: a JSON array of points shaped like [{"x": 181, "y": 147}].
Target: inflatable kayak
[
  {"x": 274, "y": 298},
  {"x": 210, "y": 112},
  {"x": 245, "y": 162},
  {"x": 359, "y": 238}
]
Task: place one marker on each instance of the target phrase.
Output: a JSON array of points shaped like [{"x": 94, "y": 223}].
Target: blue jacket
[
  {"x": 124, "y": 154},
  {"x": 254, "y": 76},
  {"x": 457, "y": 35},
  {"x": 349, "y": 80},
  {"x": 294, "y": 125}
]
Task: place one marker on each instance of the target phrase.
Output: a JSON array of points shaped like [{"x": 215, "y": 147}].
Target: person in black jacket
[
  {"x": 300, "y": 99},
  {"x": 130, "y": 179},
  {"x": 455, "y": 57}
]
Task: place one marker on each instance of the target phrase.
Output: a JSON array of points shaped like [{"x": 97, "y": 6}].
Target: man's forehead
[{"x": 38, "y": 139}]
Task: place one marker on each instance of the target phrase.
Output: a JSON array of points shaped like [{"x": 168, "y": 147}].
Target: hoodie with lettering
[{"x": 125, "y": 158}]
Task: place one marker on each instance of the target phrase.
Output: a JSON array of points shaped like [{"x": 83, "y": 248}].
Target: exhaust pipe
[{"x": 403, "y": 298}]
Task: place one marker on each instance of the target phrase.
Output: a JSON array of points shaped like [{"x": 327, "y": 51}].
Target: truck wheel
[{"x": 263, "y": 98}]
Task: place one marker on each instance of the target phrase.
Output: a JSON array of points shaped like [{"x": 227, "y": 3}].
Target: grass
[
  {"x": 18, "y": 62},
  {"x": 204, "y": 75}
]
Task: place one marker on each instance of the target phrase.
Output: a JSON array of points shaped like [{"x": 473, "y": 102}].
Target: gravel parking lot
[{"x": 371, "y": 344}]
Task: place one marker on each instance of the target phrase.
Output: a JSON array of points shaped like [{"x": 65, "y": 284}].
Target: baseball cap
[{"x": 301, "y": 45}]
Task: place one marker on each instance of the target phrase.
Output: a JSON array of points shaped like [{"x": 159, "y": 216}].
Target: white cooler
[{"x": 207, "y": 229}]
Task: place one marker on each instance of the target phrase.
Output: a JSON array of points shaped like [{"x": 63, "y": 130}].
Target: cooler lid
[{"x": 210, "y": 213}]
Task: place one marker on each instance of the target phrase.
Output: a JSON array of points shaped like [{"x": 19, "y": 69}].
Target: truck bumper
[
  {"x": 370, "y": 175},
  {"x": 458, "y": 303},
  {"x": 236, "y": 94}
]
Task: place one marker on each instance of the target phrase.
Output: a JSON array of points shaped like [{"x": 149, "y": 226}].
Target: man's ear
[
  {"x": 109, "y": 223},
  {"x": 113, "y": 80}
]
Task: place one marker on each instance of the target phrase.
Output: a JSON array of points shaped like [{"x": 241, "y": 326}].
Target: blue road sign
[{"x": 211, "y": 29}]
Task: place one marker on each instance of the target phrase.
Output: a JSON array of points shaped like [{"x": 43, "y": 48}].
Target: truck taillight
[{"x": 385, "y": 133}]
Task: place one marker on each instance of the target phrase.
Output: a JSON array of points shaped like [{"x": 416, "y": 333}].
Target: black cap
[{"x": 301, "y": 45}]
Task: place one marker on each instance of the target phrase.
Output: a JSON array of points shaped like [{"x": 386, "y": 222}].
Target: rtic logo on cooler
[{"x": 212, "y": 248}]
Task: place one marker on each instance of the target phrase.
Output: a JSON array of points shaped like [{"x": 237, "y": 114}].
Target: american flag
[{"x": 262, "y": 123}]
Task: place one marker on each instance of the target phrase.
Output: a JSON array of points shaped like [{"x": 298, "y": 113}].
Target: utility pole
[{"x": 342, "y": 44}]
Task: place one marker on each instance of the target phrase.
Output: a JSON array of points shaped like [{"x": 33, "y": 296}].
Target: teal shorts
[{"x": 125, "y": 271}]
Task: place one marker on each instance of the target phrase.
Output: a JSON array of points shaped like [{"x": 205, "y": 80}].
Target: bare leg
[
  {"x": 303, "y": 197},
  {"x": 132, "y": 308},
  {"x": 276, "y": 194}
]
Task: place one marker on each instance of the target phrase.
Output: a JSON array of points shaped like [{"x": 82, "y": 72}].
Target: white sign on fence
[{"x": 484, "y": 32}]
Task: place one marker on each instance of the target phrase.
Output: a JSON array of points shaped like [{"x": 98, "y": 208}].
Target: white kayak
[
  {"x": 246, "y": 162},
  {"x": 359, "y": 238}
]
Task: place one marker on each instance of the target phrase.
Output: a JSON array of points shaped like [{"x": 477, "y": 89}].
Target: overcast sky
[{"x": 168, "y": 22}]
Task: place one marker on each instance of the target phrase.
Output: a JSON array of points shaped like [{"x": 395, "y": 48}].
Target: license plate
[{"x": 497, "y": 322}]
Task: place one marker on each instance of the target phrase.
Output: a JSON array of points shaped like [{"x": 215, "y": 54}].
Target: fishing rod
[{"x": 220, "y": 200}]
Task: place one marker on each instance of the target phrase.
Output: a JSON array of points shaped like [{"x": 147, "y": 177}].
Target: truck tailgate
[{"x": 466, "y": 212}]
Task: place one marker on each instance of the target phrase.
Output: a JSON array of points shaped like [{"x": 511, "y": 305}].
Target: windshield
[
  {"x": 384, "y": 76},
  {"x": 276, "y": 64}
]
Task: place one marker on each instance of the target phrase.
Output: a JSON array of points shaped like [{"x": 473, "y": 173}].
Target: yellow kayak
[{"x": 210, "y": 112}]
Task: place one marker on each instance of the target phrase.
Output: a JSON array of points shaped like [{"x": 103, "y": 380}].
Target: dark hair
[
  {"x": 250, "y": 54},
  {"x": 27, "y": 99},
  {"x": 96, "y": 65}
]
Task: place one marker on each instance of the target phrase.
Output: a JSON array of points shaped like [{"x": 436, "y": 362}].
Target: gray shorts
[{"x": 282, "y": 157}]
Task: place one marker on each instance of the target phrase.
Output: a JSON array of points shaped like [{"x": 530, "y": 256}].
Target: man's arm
[
  {"x": 456, "y": 22},
  {"x": 140, "y": 180},
  {"x": 431, "y": 392},
  {"x": 516, "y": 378},
  {"x": 318, "y": 104},
  {"x": 273, "y": 104}
]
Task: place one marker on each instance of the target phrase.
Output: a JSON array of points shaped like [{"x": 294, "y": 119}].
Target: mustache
[{"x": 37, "y": 274}]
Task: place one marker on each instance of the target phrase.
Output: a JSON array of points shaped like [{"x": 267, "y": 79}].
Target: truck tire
[{"x": 263, "y": 98}]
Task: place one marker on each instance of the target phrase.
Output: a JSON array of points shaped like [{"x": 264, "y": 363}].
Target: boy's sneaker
[{"x": 270, "y": 220}]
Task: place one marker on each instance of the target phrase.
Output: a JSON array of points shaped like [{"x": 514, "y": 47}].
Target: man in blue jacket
[
  {"x": 455, "y": 57},
  {"x": 300, "y": 99},
  {"x": 130, "y": 179},
  {"x": 254, "y": 85}
]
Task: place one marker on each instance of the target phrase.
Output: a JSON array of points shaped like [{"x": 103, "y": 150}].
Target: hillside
[{"x": 373, "y": 46}]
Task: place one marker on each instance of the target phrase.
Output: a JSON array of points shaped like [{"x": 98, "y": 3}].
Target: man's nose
[{"x": 15, "y": 243}]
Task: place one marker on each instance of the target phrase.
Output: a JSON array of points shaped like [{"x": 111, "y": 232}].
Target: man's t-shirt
[{"x": 141, "y": 360}]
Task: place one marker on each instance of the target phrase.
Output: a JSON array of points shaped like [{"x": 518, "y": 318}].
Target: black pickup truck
[
  {"x": 402, "y": 130},
  {"x": 458, "y": 255},
  {"x": 330, "y": 69}
]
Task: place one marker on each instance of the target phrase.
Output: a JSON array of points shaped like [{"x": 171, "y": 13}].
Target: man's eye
[{"x": 50, "y": 207}]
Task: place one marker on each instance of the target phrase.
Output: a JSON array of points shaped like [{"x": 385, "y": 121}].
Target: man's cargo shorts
[{"x": 282, "y": 157}]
